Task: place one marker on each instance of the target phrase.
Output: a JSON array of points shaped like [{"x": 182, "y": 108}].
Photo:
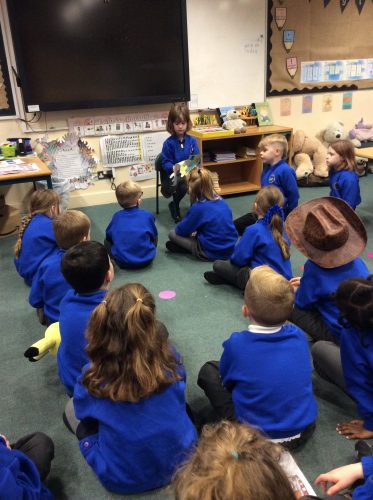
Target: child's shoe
[
  {"x": 213, "y": 278},
  {"x": 363, "y": 449}
]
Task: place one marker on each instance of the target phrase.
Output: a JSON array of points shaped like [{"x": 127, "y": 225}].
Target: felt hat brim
[{"x": 352, "y": 248}]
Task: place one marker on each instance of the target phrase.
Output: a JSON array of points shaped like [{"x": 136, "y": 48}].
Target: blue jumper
[
  {"x": 174, "y": 152},
  {"x": 49, "y": 287},
  {"x": 38, "y": 243},
  {"x": 318, "y": 284},
  {"x": 258, "y": 246},
  {"x": 75, "y": 312},
  {"x": 19, "y": 477},
  {"x": 212, "y": 220},
  {"x": 357, "y": 365},
  {"x": 270, "y": 378},
  {"x": 133, "y": 235},
  {"x": 365, "y": 491},
  {"x": 138, "y": 445},
  {"x": 283, "y": 177},
  {"x": 344, "y": 184}
]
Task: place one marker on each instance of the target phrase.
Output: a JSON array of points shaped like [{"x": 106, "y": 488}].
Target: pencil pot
[
  {"x": 22, "y": 145},
  {"x": 8, "y": 150}
]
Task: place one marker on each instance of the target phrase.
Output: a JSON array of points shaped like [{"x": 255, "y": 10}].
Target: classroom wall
[{"x": 100, "y": 193}]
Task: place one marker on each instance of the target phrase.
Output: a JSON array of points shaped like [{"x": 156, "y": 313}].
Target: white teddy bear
[
  {"x": 234, "y": 122},
  {"x": 333, "y": 132}
]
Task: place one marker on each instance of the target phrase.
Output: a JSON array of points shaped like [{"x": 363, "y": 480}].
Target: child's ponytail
[
  {"x": 201, "y": 185},
  {"x": 41, "y": 202},
  {"x": 277, "y": 227}
]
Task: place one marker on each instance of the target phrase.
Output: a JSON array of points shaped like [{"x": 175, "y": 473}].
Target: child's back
[
  {"x": 49, "y": 285},
  {"x": 36, "y": 240},
  {"x": 87, "y": 269},
  {"x": 132, "y": 233}
]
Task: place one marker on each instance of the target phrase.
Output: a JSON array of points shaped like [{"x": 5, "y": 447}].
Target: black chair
[{"x": 158, "y": 182}]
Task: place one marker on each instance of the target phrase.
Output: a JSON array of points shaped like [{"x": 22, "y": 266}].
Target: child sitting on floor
[
  {"x": 276, "y": 172},
  {"x": 264, "y": 377},
  {"x": 331, "y": 235},
  {"x": 88, "y": 270},
  {"x": 134, "y": 428},
  {"x": 49, "y": 286},
  {"x": 36, "y": 239},
  {"x": 262, "y": 243},
  {"x": 232, "y": 461},
  {"x": 207, "y": 230},
  {"x": 131, "y": 237}
]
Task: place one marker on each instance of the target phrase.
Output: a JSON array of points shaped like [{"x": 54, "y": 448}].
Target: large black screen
[{"x": 95, "y": 53}]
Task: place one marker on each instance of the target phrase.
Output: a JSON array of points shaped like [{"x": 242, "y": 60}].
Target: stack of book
[
  {"x": 215, "y": 180},
  {"x": 222, "y": 156}
]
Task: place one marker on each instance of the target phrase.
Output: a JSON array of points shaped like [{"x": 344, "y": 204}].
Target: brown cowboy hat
[{"x": 327, "y": 231}]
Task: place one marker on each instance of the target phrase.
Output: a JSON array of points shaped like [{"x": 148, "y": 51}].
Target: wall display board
[
  {"x": 7, "y": 107},
  {"x": 326, "y": 48}
]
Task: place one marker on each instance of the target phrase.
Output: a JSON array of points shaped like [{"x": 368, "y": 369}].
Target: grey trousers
[
  {"x": 236, "y": 276},
  {"x": 327, "y": 362},
  {"x": 190, "y": 244}
]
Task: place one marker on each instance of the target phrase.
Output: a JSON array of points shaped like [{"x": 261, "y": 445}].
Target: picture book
[
  {"x": 264, "y": 113},
  {"x": 223, "y": 113}
]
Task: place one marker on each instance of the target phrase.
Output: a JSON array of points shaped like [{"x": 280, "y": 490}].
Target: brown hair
[
  {"x": 269, "y": 296},
  {"x": 41, "y": 202},
  {"x": 178, "y": 113},
  {"x": 345, "y": 149},
  {"x": 128, "y": 193},
  {"x": 70, "y": 228},
  {"x": 201, "y": 185},
  {"x": 275, "y": 140},
  {"x": 266, "y": 198},
  {"x": 232, "y": 461},
  {"x": 130, "y": 360}
]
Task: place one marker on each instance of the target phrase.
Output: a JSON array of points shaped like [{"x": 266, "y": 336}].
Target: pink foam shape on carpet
[{"x": 167, "y": 294}]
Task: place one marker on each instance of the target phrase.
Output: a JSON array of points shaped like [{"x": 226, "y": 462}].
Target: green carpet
[{"x": 199, "y": 319}]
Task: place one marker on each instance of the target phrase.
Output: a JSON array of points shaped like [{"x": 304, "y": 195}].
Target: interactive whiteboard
[{"x": 227, "y": 52}]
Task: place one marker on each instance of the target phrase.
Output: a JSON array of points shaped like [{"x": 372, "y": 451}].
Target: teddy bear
[
  {"x": 361, "y": 132},
  {"x": 234, "y": 122},
  {"x": 309, "y": 156},
  {"x": 333, "y": 132}
]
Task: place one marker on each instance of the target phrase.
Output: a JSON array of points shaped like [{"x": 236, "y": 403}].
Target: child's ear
[
  {"x": 109, "y": 276},
  {"x": 245, "y": 311}
]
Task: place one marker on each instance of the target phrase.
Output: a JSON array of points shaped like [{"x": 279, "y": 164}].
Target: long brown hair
[
  {"x": 41, "y": 202},
  {"x": 130, "y": 360},
  {"x": 201, "y": 185},
  {"x": 232, "y": 461},
  {"x": 345, "y": 149},
  {"x": 268, "y": 197},
  {"x": 178, "y": 113}
]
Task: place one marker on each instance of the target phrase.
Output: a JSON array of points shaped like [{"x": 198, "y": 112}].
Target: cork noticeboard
[{"x": 319, "y": 46}]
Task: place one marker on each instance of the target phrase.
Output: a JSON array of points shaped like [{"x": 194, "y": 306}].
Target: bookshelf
[{"x": 242, "y": 174}]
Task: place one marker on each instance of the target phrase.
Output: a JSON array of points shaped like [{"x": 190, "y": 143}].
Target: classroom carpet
[{"x": 199, "y": 318}]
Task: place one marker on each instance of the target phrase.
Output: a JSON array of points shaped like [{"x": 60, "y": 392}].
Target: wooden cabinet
[{"x": 242, "y": 174}]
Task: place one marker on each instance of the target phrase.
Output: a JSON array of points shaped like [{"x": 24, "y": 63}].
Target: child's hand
[
  {"x": 7, "y": 444},
  {"x": 354, "y": 430},
  {"x": 340, "y": 478},
  {"x": 295, "y": 282},
  {"x": 176, "y": 168}
]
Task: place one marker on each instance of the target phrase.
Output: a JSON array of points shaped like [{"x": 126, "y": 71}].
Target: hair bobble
[
  {"x": 235, "y": 454},
  {"x": 139, "y": 300},
  {"x": 275, "y": 209},
  {"x": 104, "y": 302}
]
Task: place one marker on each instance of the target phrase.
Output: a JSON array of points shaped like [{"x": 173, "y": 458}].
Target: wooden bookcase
[{"x": 242, "y": 174}]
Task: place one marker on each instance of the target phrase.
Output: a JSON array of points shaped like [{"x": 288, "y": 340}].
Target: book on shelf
[
  {"x": 215, "y": 182},
  {"x": 211, "y": 132},
  {"x": 222, "y": 111}
]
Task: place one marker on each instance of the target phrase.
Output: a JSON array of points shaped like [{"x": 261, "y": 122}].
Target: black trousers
[
  {"x": 312, "y": 323},
  {"x": 39, "y": 448}
]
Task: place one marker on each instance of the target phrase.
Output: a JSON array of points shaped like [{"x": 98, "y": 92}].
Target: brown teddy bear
[{"x": 309, "y": 156}]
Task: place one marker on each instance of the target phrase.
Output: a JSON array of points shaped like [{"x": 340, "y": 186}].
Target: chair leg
[{"x": 157, "y": 194}]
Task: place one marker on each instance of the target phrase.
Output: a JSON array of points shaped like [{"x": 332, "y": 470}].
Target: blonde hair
[
  {"x": 232, "y": 461},
  {"x": 178, "y": 113},
  {"x": 266, "y": 198},
  {"x": 70, "y": 228},
  {"x": 269, "y": 296},
  {"x": 128, "y": 193},
  {"x": 130, "y": 360},
  {"x": 275, "y": 140},
  {"x": 201, "y": 185},
  {"x": 345, "y": 149},
  {"x": 41, "y": 202}
]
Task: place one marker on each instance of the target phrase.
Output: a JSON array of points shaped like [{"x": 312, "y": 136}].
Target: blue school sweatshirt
[
  {"x": 212, "y": 220},
  {"x": 282, "y": 176},
  {"x": 174, "y": 152},
  {"x": 270, "y": 377},
  {"x": 38, "y": 243},
  {"x": 345, "y": 185},
  {"x": 133, "y": 235},
  {"x": 49, "y": 286},
  {"x": 365, "y": 491},
  {"x": 357, "y": 365},
  {"x": 138, "y": 445},
  {"x": 258, "y": 246},
  {"x": 75, "y": 312},
  {"x": 318, "y": 284},
  {"x": 19, "y": 477}
]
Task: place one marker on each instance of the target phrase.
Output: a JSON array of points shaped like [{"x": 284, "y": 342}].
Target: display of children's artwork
[{"x": 264, "y": 113}]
